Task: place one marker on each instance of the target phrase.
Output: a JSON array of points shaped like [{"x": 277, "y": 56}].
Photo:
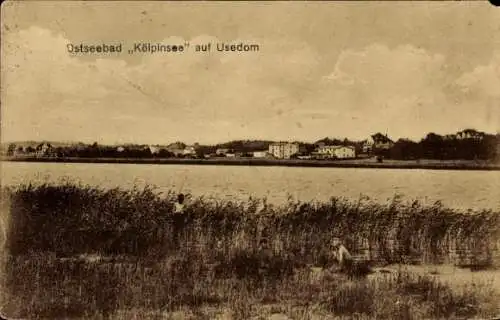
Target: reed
[
  {"x": 69, "y": 219},
  {"x": 75, "y": 251},
  {"x": 43, "y": 286}
]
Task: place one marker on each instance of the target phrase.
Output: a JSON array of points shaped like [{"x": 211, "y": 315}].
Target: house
[
  {"x": 260, "y": 154},
  {"x": 189, "y": 151},
  {"x": 377, "y": 141},
  {"x": 221, "y": 152},
  {"x": 27, "y": 151},
  {"x": 470, "y": 134},
  {"x": 304, "y": 157},
  {"x": 154, "y": 149},
  {"x": 449, "y": 137},
  {"x": 81, "y": 147},
  {"x": 30, "y": 151},
  {"x": 176, "y": 148},
  {"x": 345, "y": 152},
  {"x": 339, "y": 152},
  {"x": 284, "y": 150},
  {"x": 120, "y": 149},
  {"x": 44, "y": 150},
  {"x": 19, "y": 151}
]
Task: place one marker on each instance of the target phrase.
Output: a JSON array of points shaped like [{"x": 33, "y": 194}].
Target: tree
[
  {"x": 164, "y": 153},
  {"x": 11, "y": 149},
  {"x": 405, "y": 149},
  {"x": 59, "y": 152},
  {"x": 432, "y": 146}
]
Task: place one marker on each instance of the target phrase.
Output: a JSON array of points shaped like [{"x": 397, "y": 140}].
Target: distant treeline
[
  {"x": 435, "y": 146},
  {"x": 432, "y": 146}
]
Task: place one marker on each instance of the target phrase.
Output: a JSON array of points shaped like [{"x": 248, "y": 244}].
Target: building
[
  {"x": 154, "y": 149},
  {"x": 304, "y": 157},
  {"x": 82, "y": 147},
  {"x": 284, "y": 150},
  {"x": 189, "y": 151},
  {"x": 449, "y": 137},
  {"x": 221, "y": 152},
  {"x": 470, "y": 134},
  {"x": 18, "y": 151},
  {"x": 260, "y": 154},
  {"x": 44, "y": 150},
  {"x": 338, "y": 152},
  {"x": 176, "y": 148},
  {"x": 377, "y": 141}
]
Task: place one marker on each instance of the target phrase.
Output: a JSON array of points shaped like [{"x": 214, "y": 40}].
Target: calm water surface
[{"x": 459, "y": 189}]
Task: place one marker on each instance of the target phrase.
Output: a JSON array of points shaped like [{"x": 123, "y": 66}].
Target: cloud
[
  {"x": 395, "y": 89},
  {"x": 484, "y": 80},
  {"x": 381, "y": 72},
  {"x": 480, "y": 91},
  {"x": 51, "y": 92},
  {"x": 287, "y": 90}
]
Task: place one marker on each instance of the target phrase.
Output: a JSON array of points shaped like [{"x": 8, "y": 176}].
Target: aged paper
[{"x": 250, "y": 160}]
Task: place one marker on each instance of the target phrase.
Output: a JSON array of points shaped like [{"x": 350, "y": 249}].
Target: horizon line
[{"x": 228, "y": 141}]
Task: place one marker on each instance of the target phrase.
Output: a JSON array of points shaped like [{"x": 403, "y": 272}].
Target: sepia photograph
[{"x": 274, "y": 160}]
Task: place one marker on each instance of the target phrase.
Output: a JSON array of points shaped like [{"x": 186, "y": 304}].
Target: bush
[
  {"x": 71, "y": 219},
  {"x": 226, "y": 253},
  {"x": 43, "y": 286}
]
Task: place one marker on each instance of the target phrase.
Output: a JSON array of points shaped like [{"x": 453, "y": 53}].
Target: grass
[
  {"x": 241, "y": 259},
  {"x": 343, "y": 163},
  {"x": 69, "y": 219},
  {"x": 47, "y": 287}
]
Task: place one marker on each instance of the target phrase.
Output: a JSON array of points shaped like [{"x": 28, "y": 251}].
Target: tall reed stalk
[{"x": 70, "y": 219}]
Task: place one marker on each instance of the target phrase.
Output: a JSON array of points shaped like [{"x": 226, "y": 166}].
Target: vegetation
[
  {"x": 43, "y": 286},
  {"x": 476, "y": 146},
  {"x": 246, "y": 258},
  {"x": 435, "y": 146},
  {"x": 70, "y": 219}
]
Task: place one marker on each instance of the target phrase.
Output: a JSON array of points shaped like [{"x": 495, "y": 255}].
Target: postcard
[{"x": 250, "y": 160}]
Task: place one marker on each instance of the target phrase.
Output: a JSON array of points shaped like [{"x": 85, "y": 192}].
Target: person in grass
[
  {"x": 179, "y": 205},
  {"x": 342, "y": 255},
  {"x": 178, "y": 219},
  {"x": 352, "y": 268}
]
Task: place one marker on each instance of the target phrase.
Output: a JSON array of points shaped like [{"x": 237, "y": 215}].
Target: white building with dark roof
[
  {"x": 339, "y": 152},
  {"x": 284, "y": 150}
]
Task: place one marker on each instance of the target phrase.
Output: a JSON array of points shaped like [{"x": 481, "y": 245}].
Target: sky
[{"x": 330, "y": 69}]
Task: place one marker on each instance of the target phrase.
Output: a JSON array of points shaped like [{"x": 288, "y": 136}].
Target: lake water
[{"x": 458, "y": 189}]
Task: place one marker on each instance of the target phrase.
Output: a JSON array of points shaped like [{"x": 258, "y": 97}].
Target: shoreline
[{"x": 351, "y": 163}]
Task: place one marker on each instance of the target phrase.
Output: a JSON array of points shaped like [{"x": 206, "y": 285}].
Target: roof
[
  {"x": 282, "y": 143},
  {"x": 381, "y": 138},
  {"x": 471, "y": 131},
  {"x": 41, "y": 145},
  {"x": 176, "y": 145},
  {"x": 336, "y": 147}
]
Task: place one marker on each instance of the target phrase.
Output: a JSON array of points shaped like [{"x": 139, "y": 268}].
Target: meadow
[{"x": 77, "y": 251}]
